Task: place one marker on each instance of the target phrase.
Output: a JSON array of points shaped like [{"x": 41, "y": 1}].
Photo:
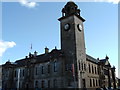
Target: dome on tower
[{"x": 71, "y": 8}]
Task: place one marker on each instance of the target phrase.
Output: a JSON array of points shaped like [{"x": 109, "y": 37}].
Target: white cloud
[
  {"x": 28, "y": 4},
  {"x": 110, "y": 1},
  {"x": 4, "y": 45}
]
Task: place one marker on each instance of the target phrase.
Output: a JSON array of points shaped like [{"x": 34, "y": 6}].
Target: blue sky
[{"x": 39, "y": 26}]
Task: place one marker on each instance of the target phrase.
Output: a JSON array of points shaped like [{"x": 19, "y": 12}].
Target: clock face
[
  {"x": 67, "y": 27},
  {"x": 79, "y": 26}
]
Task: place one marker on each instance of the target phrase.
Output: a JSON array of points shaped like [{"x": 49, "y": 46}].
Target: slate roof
[
  {"x": 103, "y": 60},
  {"x": 40, "y": 58},
  {"x": 90, "y": 58},
  {"x": 55, "y": 53}
]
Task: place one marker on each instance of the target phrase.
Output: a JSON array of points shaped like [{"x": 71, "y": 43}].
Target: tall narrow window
[
  {"x": 15, "y": 73},
  {"x": 93, "y": 82},
  {"x": 95, "y": 71},
  {"x": 36, "y": 71},
  {"x": 85, "y": 67},
  {"x": 89, "y": 69},
  {"x": 48, "y": 83},
  {"x": 96, "y": 82},
  {"x": 98, "y": 70},
  {"x": 79, "y": 65},
  {"x": 20, "y": 73},
  {"x": 69, "y": 82},
  {"x": 42, "y": 69},
  {"x": 42, "y": 84},
  {"x": 84, "y": 83},
  {"x": 90, "y": 83},
  {"x": 99, "y": 83},
  {"x": 82, "y": 66},
  {"x": 36, "y": 84},
  {"x": 55, "y": 66},
  {"x": 48, "y": 68},
  {"x": 92, "y": 69},
  {"x": 55, "y": 83},
  {"x": 23, "y": 72}
]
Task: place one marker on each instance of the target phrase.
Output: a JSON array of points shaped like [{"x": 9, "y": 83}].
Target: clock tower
[{"x": 73, "y": 43}]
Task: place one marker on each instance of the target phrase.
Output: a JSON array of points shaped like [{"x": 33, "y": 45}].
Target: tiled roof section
[{"x": 88, "y": 57}]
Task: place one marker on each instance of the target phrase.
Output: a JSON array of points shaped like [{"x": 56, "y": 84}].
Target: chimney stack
[
  {"x": 46, "y": 50},
  {"x": 35, "y": 53}
]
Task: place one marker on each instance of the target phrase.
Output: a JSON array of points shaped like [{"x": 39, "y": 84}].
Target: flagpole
[{"x": 31, "y": 48}]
